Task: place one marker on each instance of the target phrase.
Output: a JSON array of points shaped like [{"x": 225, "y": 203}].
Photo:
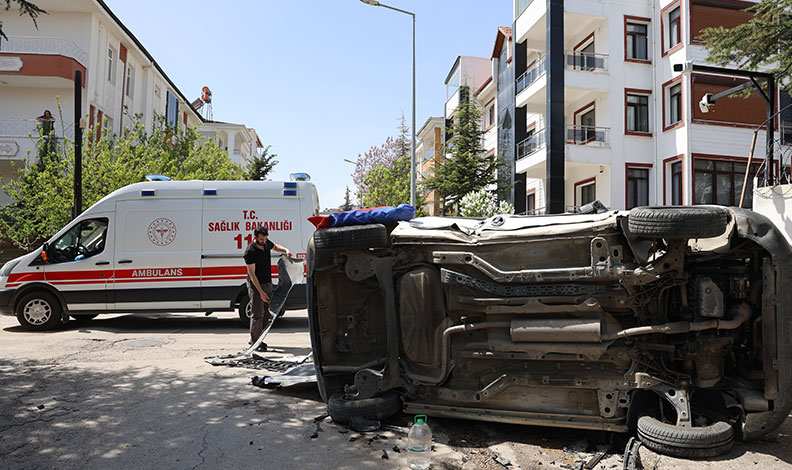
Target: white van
[{"x": 164, "y": 246}]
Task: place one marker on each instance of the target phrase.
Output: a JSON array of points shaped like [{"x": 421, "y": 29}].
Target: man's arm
[
  {"x": 282, "y": 249},
  {"x": 251, "y": 270}
]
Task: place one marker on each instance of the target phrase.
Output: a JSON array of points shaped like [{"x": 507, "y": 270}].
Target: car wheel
[
  {"x": 39, "y": 311},
  {"x": 354, "y": 237},
  {"x": 84, "y": 318},
  {"x": 377, "y": 408},
  {"x": 678, "y": 222},
  {"x": 244, "y": 310},
  {"x": 687, "y": 442}
]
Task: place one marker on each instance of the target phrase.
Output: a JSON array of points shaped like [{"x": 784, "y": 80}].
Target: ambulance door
[
  {"x": 158, "y": 255},
  {"x": 80, "y": 263},
  {"x": 228, "y": 229}
]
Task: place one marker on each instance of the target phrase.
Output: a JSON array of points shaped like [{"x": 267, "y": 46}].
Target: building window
[
  {"x": 172, "y": 110},
  {"x": 721, "y": 182},
  {"x": 636, "y": 41},
  {"x": 674, "y": 28},
  {"x": 585, "y": 192},
  {"x": 637, "y": 113},
  {"x": 130, "y": 82},
  {"x": 530, "y": 203},
  {"x": 637, "y": 187},
  {"x": 111, "y": 55},
  {"x": 490, "y": 116},
  {"x": 675, "y": 94},
  {"x": 676, "y": 183}
]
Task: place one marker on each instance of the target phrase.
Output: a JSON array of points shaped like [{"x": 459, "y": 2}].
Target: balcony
[
  {"x": 586, "y": 75},
  {"x": 530, "y": 75},
  {"x": 29, "y": 128},
  {"x": 588, "y": 135},
  {"x": 585, "y": 145},
  {"x": 44, "y": 45},
  {"x": 531, "y": 145}
]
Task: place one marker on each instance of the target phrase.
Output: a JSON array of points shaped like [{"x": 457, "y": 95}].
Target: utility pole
[{"x": 77, "y": 144}]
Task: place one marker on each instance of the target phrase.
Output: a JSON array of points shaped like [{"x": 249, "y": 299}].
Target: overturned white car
[{"x": 673, "y": 321}]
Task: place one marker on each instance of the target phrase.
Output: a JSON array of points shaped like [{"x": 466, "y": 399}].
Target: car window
[{"x": 83, "y": 240}]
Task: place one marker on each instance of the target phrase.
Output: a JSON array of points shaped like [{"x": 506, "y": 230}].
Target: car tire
[
  {"x": 350, "y": 238},
  {"x": 39, "y": 311},
  {"x": 678, "y": 222},
  {"x": 243, "y": 310},
  {"x": 688, "y": 442},
  {"x": 84, "y": 318},
  {"x": 377, "y": 408}
]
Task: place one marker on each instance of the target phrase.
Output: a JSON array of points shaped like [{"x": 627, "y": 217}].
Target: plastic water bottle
[{"x": 419, "y": 444}]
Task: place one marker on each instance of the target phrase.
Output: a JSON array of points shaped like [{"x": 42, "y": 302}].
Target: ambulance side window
[{"x": 84, "y": 240}]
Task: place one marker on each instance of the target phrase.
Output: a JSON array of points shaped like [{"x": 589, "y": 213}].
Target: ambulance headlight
[{"x": 8, "y": 267}]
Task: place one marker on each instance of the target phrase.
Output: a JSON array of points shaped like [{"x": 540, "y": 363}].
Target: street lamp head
[{"x": 373, "y": 3}]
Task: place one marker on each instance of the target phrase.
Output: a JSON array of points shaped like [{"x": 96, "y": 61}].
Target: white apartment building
[
  {"x": 634, "y": 132},
  {"x": 120, "y": 79},
  {"x": 428, "y": 154}
]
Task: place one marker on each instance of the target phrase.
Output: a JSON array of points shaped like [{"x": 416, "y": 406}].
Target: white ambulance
[{"x": 158, "y": 246}]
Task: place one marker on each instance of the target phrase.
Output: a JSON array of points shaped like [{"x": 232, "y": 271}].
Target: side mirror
[{"x": 45, "y": 251}]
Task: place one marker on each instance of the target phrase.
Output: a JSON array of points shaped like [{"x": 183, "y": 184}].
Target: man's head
[{"x": 261, "y": 233}]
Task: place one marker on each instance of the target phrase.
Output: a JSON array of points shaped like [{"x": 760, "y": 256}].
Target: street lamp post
[{"x": 376, "y": 3}]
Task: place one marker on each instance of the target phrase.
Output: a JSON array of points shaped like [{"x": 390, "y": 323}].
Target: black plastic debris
[{"x": 384, "y": 454}]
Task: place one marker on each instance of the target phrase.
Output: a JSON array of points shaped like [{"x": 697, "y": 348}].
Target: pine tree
[
  {"x": 347, "y": 205},
  {"x": 25, "y": 8},
  {"x": 764, "y": 42},
  {"x": 464, "y": 168},
  {"x": 261, "y": 165}
]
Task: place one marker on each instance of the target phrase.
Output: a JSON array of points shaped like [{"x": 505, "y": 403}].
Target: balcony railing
[
  {"x": 522, "y": 5},
  {"x": 588, "y": 135},
  {"x": 586, "y": 61},
  {"x": 531, "y": 145},
  {"x": 30, "y": 128},
  {"x": 44, "y": 45},
  {"x": 530, "y": 75}
]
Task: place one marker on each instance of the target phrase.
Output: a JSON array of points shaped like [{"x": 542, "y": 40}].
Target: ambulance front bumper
[{"x": 6, "y": 295}]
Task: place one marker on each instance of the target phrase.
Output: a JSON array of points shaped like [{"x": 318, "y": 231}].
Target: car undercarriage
[{"x": 670, "y": 320}]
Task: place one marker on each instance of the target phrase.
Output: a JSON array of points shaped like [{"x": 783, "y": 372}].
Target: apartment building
[
  {"x": 634, "y": 132},
  {"x": 428, "y": 154},
  {"x": 120, "y": 79}
]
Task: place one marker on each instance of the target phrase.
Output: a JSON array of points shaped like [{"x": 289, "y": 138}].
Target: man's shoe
[{"x": 261, "y": 347}]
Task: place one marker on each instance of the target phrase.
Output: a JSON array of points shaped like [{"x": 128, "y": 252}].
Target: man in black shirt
[{"x": 259, "y": 280}]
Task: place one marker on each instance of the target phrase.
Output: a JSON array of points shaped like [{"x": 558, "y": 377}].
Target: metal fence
[
  {"x": 30, "y": 128},
  {"x": 531, "y": 144},
  {"x": 588, "y": 135},
  {"x": 530, "y": 75}
]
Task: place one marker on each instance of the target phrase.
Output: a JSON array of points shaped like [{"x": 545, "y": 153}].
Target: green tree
[
  {"x": 388, "y": 186},
  {"x": 262, "y": 165},
  {"x": 464, "y": 168},
  {"x": 764, "y": 42},
  {"x": 25, "y": 8},
  {"x": 347, "y": 205},
  {"x": 42, "y": 193}
]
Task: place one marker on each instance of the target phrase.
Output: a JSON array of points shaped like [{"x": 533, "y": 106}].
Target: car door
[
  {"x": 158, "y": 259},
  {"x": 80, "y": 263}
]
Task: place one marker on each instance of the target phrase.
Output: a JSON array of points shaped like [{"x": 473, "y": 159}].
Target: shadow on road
[{"x": 66, "y": 417}]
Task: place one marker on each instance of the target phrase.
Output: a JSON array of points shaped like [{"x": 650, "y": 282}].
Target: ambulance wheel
[
  {"x": 244, "y": 310},
  {"x": 39, "y": 311}
]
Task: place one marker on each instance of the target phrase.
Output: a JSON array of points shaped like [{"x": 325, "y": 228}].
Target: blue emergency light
[
  {"x": 210, "y": 192},
  {"x": 148, "y": 192}
]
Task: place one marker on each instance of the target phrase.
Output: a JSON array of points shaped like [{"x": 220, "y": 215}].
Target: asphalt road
[{"x": 131, "y": 392}]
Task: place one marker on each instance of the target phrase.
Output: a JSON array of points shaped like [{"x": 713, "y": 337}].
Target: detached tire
[
  {"x": 693, "y": 442},
  {"x": 377, "y": 408},
  {"x": 349, "y": 238},
  {"x": 678, "y": 222}
]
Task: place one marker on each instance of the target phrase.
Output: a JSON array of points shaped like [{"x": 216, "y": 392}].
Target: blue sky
[{"x": 319, "y": 80}]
